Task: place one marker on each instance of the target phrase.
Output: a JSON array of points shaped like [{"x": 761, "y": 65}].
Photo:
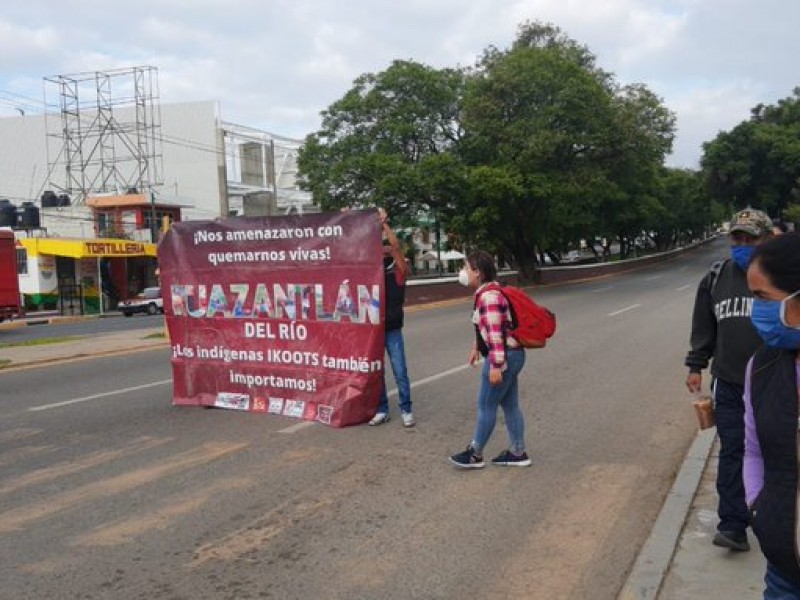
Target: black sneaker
[
  {"x": 467, "y": 459},
  {"x": 732, "y": 540},
  {"x": 509, "y": 459}
]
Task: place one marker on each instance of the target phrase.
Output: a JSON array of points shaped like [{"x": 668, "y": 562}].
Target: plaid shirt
[{"x": 493, "y": 317}]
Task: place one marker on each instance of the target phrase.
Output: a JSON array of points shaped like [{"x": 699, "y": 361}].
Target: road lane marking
[
  {"x": 71, "y": 467},
  {"x": 389, "y": 394},
  {"x": 684, "y": 287},
  {"x": 323, "y": 500},
  {"x": 172, "y": 508},
  {"x": 425, "y": 380},
  {"x": 19, "y": 454},
  {"x": 290, "y": 429},
  {"x": 622, "y": 310},
  {"x": 602, "y": 289},
  {"x": 96, "y": 396},
  {"x": 48, "y": 566},
  {"x": 17, "y": 434},
  {"x": 652, "y": 277},
  {"x": 297, "y": 427},
  {"x": 17, "y": 518}
]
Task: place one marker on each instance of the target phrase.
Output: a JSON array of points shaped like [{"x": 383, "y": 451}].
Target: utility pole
[
  {"x": 439, "y": 268},
  {"x": 153, "y": 226}
]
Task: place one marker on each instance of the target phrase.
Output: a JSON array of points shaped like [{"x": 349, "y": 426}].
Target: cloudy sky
[{"x": 275, "y": 64}]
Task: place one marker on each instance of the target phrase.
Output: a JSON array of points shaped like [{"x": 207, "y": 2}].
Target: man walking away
[{"x": 721, "y": 328}]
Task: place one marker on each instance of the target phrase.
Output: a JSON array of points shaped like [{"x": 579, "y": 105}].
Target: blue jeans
[
  {"x": 506, "y": 395},
  {"x": 778, "y": 587},
  {"x": 395, "y": 348},
  {"x": 729, "y": 415}
]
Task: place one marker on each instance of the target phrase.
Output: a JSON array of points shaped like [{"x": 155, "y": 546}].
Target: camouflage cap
[{"x": 755, "y": 222}]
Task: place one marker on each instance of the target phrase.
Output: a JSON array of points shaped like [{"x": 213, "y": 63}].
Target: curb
[
  {"x": 82, "y": 356},
  {"x": 54, "y": 320},
  {"x": 655, "y": 557}
]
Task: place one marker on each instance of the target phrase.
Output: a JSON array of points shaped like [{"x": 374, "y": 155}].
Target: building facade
[{"x": 103, "y": 244}]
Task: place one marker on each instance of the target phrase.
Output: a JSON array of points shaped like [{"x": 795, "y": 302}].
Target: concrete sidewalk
[
  {"x": 678, "y": 561},
  {"x": 105, "y": 344}
]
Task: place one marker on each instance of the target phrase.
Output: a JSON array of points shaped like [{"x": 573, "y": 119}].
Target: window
[
  {"x": 105, "y": 224},
  {"x": 22, "y": 261},
  {"x": 159, "y": 218}
]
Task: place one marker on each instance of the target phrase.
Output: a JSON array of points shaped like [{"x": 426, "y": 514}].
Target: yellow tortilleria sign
[{"x": 87, "y": 248}]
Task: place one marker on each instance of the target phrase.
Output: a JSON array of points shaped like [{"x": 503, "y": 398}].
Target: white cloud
[
  {"x": 21, "y": 44},
  {"x": 277, "y": 64},
  {"x": 703, "y": 112}
]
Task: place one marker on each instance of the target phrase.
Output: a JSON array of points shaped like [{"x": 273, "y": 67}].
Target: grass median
[{"x": 42, "y": 341}]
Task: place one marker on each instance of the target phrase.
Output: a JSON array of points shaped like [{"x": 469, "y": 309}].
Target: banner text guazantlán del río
[{"x": 278, "y": 315}]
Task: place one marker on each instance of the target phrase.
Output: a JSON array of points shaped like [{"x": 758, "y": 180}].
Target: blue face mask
[
  {"x": 768, "y": 317},
  {"x": 741, "y": 255}
]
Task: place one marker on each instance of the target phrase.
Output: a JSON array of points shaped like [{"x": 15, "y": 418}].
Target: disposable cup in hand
[{"x": 704, "y": 408}]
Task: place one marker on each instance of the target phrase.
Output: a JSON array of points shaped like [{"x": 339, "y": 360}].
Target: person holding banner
[
  {"x": 504, "y": 360},
  {"x": 395, "y": 275}
]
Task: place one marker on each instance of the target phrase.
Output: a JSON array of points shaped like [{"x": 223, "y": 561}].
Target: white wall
[
  {"x": 191, "y": 157},
  {"x": 190, "y": 150},
  {"x": 67, "y": 221},
  {"x": 191, "y": 176},
  {"x": 41, "y": 277},
  {"x": 23, "y": 158}
]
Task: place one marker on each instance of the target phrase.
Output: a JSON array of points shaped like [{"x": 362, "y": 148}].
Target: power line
[{"x": 40, "y": 104}]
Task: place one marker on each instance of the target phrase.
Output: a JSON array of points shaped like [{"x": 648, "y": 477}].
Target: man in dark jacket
[
  {"x": 721, "y": 328},
  {"x": 395, "y": 273}
]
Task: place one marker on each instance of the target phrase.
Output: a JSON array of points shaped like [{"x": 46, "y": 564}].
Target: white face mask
[{"x": 463, "y": 277}]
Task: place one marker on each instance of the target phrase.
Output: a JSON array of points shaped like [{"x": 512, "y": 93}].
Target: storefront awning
[{"x": 87, "y": 248}]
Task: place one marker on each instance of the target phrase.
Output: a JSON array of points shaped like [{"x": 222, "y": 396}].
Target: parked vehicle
[
  {"x": 147, "y": 301},
  {"x": 10, "y": 299}
]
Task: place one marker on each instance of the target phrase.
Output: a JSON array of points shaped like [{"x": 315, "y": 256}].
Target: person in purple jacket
[{"x": 772, "y": 428}]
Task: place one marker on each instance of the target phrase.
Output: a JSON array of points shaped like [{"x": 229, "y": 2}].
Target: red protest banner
[{"x": 279, "y": 315}]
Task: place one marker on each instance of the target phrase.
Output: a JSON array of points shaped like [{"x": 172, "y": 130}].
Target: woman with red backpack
[{"x": 504, "y": 359}]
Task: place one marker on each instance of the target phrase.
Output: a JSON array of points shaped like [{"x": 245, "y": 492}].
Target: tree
[
  {"x": 792, "y": 215},
  {"x": 757, "y": 163},
  {"x": 567, "y": 149},
  {"x": 683, "y": 211},
  {"x": 640, "y": 139},
  {"x": 386, "y": 143},
  {"x": 527, "y": 153}
]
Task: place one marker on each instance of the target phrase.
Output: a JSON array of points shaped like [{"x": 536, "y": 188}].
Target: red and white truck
[{"x": 10, "y": 299}]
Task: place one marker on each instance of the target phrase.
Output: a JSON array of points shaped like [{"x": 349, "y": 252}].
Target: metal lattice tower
[{"x": 108, "y": 137}]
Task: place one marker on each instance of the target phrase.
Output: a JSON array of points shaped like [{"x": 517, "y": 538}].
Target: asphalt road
[
  {"x": 10, "y": 333},
  {"x": 120, "y": 495}
]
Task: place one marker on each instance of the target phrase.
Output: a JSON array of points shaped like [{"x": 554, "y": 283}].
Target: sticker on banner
[
  {"x": 294, "y": 408},
  {"x": 324, "y": 413},
  {"x": 233, "y": 401},
  {"x": 275, "y": 406}
]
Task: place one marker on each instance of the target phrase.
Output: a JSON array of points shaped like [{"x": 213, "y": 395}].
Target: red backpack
[{"x": 531, "y": 324}]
